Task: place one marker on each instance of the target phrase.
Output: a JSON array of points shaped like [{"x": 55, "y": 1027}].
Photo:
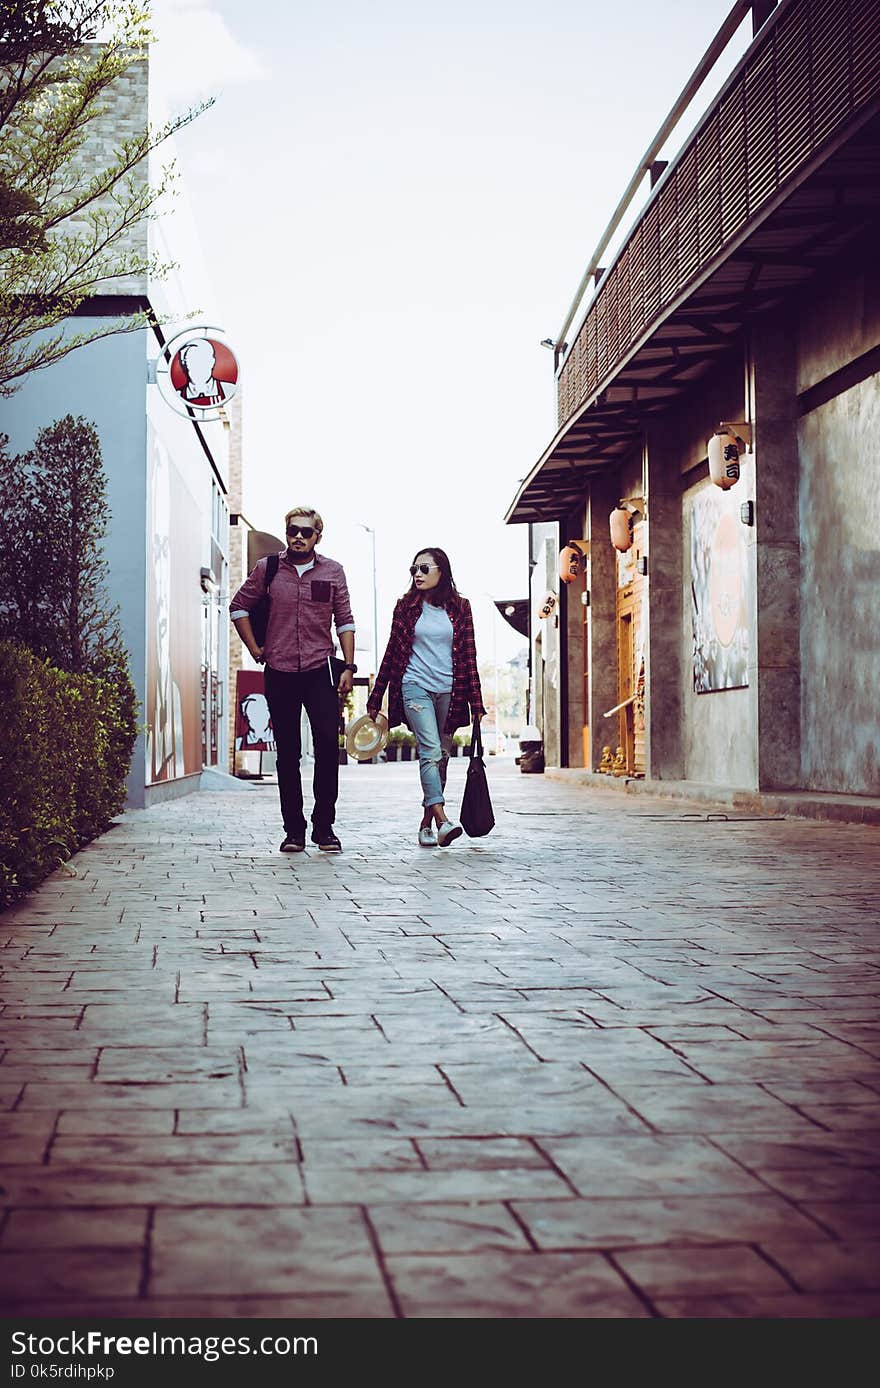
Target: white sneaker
[
  {"x": 427, "y": 837},
  {"x": 448, "y": 831}
]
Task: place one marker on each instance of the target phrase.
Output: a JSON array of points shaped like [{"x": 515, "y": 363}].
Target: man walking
[{"x": 307, "y": 592}]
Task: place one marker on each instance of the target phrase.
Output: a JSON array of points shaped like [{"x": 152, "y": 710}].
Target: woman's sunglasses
[
  {"x": 307, "y": 531},
  {"x": 422, "y": 568}
]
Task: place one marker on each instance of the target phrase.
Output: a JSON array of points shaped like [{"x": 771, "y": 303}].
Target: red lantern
[
  {"x": 621, "y": 522},
  {"x": 571, "y": 562},
  {"x": 724, "y": 449}
]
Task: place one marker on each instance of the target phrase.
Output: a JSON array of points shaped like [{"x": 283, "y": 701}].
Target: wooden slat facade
[{"x": 811, "y": 68}]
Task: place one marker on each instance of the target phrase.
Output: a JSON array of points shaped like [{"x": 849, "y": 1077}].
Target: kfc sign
[{"x": 197, "y": 373}]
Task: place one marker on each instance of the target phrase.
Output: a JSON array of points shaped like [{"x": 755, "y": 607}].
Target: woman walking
[{"x": 430, "y": 670}]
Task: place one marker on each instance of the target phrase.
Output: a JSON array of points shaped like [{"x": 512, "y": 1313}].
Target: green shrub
[{"x": 64, "y": 757}]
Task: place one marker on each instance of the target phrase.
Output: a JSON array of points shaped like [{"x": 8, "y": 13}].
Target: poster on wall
[
  {"x": 253, "y": 723},
  {"x": 173, "y": 743},
  {"x": 718, "y": 593}
]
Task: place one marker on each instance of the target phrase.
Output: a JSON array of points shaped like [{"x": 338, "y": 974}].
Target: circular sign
[{"x": 197, "y": 372}]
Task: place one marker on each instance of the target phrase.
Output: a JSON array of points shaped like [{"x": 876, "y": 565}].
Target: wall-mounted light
[
  {"x": 747, "y": 513},
  {"x": 585, "y": 597},
  {"x": 642, "y": 564},
  {"x": 724, "y": 449}
]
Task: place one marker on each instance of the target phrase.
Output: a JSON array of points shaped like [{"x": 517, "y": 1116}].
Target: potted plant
[
  {"x": 392, "y": 746},
  {"x": 345, "y": 714},
  {"x": 407, "y": 745}
]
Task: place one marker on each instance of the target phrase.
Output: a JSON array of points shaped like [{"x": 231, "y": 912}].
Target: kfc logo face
[
  {"x": 204, "y": 372},
  {"x": 197, "y": 373}
]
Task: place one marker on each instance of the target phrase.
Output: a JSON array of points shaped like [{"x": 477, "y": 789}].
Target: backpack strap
[{"x": 271, "y": 569}]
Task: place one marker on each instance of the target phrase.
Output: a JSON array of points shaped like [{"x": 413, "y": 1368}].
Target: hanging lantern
[
  {"x": 724, "y": 449},
  {"x": 571, "y": 562},
  {"x": 547, "y": 605},
  {"x": 621, "y": 522}
]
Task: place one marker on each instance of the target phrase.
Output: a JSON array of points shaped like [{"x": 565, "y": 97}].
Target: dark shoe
[
  {"x": 293, "y": 843},
  {"x": 326, "y": 841}
]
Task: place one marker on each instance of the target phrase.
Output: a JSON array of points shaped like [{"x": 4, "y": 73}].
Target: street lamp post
[
  {"x": 372, "y": 535},
  {"x": 494, "y": 664}
]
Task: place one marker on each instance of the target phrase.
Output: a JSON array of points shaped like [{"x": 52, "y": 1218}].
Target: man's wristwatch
[{"x": 349, "y": 666}]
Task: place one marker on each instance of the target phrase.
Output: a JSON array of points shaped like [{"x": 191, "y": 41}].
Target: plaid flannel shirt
[
  {"x": 465, "y": 677},
  {"x": 298, "y": 634}
]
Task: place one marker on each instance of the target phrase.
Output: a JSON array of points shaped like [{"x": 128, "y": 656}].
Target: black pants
[{"x": 287, "y": 693}]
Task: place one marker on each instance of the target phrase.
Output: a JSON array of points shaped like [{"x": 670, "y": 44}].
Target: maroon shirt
[
  {"x": 300, "y": 611},
  {"x": 465, "y": 677}
]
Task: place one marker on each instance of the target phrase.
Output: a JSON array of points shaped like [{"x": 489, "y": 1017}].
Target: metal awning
[
  {"x": 515, "y": 612},
  {"x": 259, "y": 544}
]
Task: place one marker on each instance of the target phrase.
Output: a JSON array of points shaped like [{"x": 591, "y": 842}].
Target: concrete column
[
  {"x": 573, "y": 616},
  {"x": 663, "y": 661},
  {"x": 604, "y": 495},
  {"x": 774, "y": 676}
]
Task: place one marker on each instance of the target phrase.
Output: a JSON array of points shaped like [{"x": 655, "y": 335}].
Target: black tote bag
[
  {"x": 477, "y": 816},
  {"x": 259, "y": 613}
]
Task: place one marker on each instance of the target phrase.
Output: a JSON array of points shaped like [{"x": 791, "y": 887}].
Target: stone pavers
[{"x": 620, "y": 1059}]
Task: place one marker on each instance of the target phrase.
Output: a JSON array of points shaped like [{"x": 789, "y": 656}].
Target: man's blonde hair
[{"x": 305, "y": 511}]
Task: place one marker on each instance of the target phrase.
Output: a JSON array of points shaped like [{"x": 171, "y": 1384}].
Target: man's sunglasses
[
  {"x": 307, "y": 531},
  {"x": 422, "y": 569}
]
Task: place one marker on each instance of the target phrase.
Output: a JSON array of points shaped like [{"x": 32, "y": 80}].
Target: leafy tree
[
  {"x": 54, "y": 597},
  {"x": 70, "y": 203},
  {"x": 19, "y": 600}
]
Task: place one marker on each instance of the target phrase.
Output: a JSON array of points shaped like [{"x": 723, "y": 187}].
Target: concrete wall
[
  {"x": 840, "y": 612},
  {"x": 665, "y": 656},
  {"x": 839, "y": 319},
  {"x": 839, "y": 518},
  {"x": 104, "y": 382},
  {"x": 707, "y": 738}
]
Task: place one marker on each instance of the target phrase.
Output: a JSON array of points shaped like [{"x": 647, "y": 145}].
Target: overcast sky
[{"x": 396, "y": 201}]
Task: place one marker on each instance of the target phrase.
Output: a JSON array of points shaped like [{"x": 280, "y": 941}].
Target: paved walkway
[{"x": 617, "y": 1060}]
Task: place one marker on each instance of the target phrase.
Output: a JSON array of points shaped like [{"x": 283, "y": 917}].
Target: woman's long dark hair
[{"x": 445, "y": 594}]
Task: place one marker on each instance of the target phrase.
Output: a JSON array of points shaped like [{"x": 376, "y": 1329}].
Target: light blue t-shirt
[{"x": 430, "y": 665}]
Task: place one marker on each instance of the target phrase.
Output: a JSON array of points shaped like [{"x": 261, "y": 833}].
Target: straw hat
[{"x": 364, "y": 738}]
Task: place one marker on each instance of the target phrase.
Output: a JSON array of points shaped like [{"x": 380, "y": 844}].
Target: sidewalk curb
[{"x": 850, "y": 809}]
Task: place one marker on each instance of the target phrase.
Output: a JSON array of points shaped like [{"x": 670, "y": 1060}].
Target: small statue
[
  {"x": 619, "y": 767},
  {"x": 607, "y": 762}
]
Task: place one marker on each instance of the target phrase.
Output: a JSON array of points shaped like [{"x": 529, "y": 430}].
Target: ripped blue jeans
[{"x": 426, "y": 715}]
